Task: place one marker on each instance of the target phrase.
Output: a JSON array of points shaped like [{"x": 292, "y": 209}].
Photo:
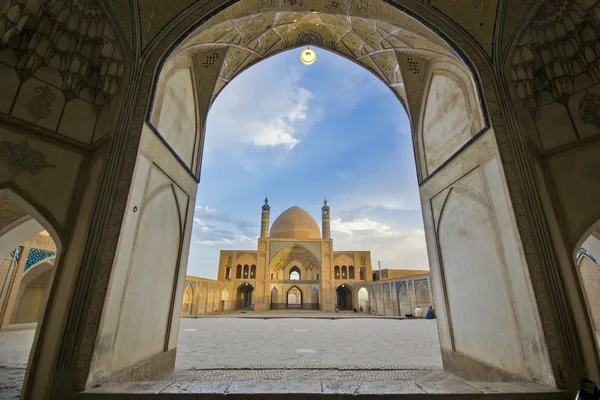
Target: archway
[
  {"x": 295, "y": 274},
  {"x": 588, "y": 270},
  {"x": 343, "y": 297},
  {"x": 32, "y": 289},
  {"x": 188, "y": 296},
  {"x": 546, "y": 312},
  {"x": 275, "y": 299},
  {"x": 245, "y": 297},
  {"x": 403, "y": 301},
  {"x": 363, "y": 300},
  {"x": 294, "y": 298}
]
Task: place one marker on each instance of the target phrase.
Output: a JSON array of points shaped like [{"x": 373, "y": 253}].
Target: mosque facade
[{"x": 295, "y": 267}]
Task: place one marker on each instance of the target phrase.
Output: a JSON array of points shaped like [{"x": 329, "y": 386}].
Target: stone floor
[
  {"x": 300, "y": 355},
  {"x": 284, "y": 343}
]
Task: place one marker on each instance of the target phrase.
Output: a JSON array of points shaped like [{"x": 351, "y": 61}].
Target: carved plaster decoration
[
  {"x": 41, "y": 104},
  {"x": 23, "y": 158},
  {"x": 277, "y": 246},
  {"x": 309, "y": 37},
  {"x": 71, "y": 38},
  {"x": 589, "y": 107},
  {"x": 558, "y": 52}
]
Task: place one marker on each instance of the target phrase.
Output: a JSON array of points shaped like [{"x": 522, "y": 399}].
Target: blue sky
[{"x": 298, "y": 134}]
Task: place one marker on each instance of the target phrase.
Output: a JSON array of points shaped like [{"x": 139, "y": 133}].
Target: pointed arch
[{"x": 294, "y": 297}]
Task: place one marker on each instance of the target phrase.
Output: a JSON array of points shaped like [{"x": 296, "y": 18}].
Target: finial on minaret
[
  {"x": 264, "y": 219},
  {"x": 326, "y": 220}
]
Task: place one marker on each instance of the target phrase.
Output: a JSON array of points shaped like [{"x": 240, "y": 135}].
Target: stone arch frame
[
  {"x": 252, "y": 271},
  {"x": 344, "y": 272},
  {"x": 336, "y": 272},
  {"x": 237, "y": 291},
  {"x": 238, "y": 272},
  {"x": 515, "y": 164},
  {"x": 246, "y": 274}
]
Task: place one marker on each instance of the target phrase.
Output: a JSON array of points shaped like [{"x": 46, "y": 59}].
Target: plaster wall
[
  {"x": 447, "y": 124},
  {"x": 472, "y": 237},
  {"x": 177, "y": 119},
  {"x": 592, "y": 245},
  {"x": 17, "y": 234},
  {"x": 149, "y": 269},
  {"x": 575, "y": 181},
  {"x": 589, "y": 273},
  {"x": 50, "y": 186}
]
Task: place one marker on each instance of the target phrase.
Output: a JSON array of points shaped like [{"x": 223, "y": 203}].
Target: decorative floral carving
[
  {"x": 41, "y": 104},
  {"x": 22, "y": 157},
  {"x": 589, "y": 107},
  {"x": 309, "y": 37}
]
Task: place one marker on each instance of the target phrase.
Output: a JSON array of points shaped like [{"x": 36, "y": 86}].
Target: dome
[{"x": 295, "y": 223}]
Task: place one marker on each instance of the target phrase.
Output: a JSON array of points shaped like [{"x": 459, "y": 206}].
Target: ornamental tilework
[
  {"x": 583, "y": 252},
  {"x": 36, "y": 255}
]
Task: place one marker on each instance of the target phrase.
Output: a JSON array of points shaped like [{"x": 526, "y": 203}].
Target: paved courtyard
[
  {"x": 291, "y": 355},
  {"x": 307, "y": 342}
]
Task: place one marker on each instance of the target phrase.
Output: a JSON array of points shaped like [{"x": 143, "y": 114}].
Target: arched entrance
[
  {"x": 343, "y": 297},
  {"x": 245, "y": 297},
  {"x": 294, "y": 298},
  {"x": 363, "y": 300},
  {"x": 514, "y": 189},
  {"x": 188, "y": 296},
  {"x": 274, "y": 299}
]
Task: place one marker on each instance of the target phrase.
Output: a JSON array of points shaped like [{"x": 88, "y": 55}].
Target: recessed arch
[{"x": 294, "y": 298}]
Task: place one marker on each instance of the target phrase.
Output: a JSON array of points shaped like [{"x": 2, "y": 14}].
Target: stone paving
[
  {"x": 221, "y": 343},
  {"x": 346, "y": 357}
]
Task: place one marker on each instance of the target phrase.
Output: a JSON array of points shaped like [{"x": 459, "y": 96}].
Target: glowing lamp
[{"x": 308, "y": 57}]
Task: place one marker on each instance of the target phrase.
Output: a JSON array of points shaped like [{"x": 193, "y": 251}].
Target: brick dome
[{"x": 295, "y": 223}]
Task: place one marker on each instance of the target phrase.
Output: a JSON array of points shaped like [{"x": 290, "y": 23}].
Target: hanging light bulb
[{"x": 308, "y": 56}]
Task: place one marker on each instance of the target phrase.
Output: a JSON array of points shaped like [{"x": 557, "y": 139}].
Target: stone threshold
[{"x": 320, "y": 384}]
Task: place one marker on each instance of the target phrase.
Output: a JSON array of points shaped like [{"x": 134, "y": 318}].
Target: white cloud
[
  {"x": 264, "y": 107},
  {"x": 360, "y": 225},
  {"x": 395, "y": 247}
]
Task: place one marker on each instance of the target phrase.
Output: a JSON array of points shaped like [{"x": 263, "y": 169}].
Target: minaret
[
  {"x": 326, "y": 217},
  {"x": 264, "y": 219}
]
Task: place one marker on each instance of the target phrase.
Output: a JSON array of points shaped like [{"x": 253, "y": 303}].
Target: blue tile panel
[
  {"x": 583, "y": 252},
  {"x": 36, "y": 255}
]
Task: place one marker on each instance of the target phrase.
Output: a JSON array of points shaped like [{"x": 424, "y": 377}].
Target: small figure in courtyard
[
  {"x": 361, "y": 308},
  {"x": 418, "y": 312},
  {"x": 355, "y": 310},
  {"x": 337, "y": 309},
  {"x": 430, "y": 313}
]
